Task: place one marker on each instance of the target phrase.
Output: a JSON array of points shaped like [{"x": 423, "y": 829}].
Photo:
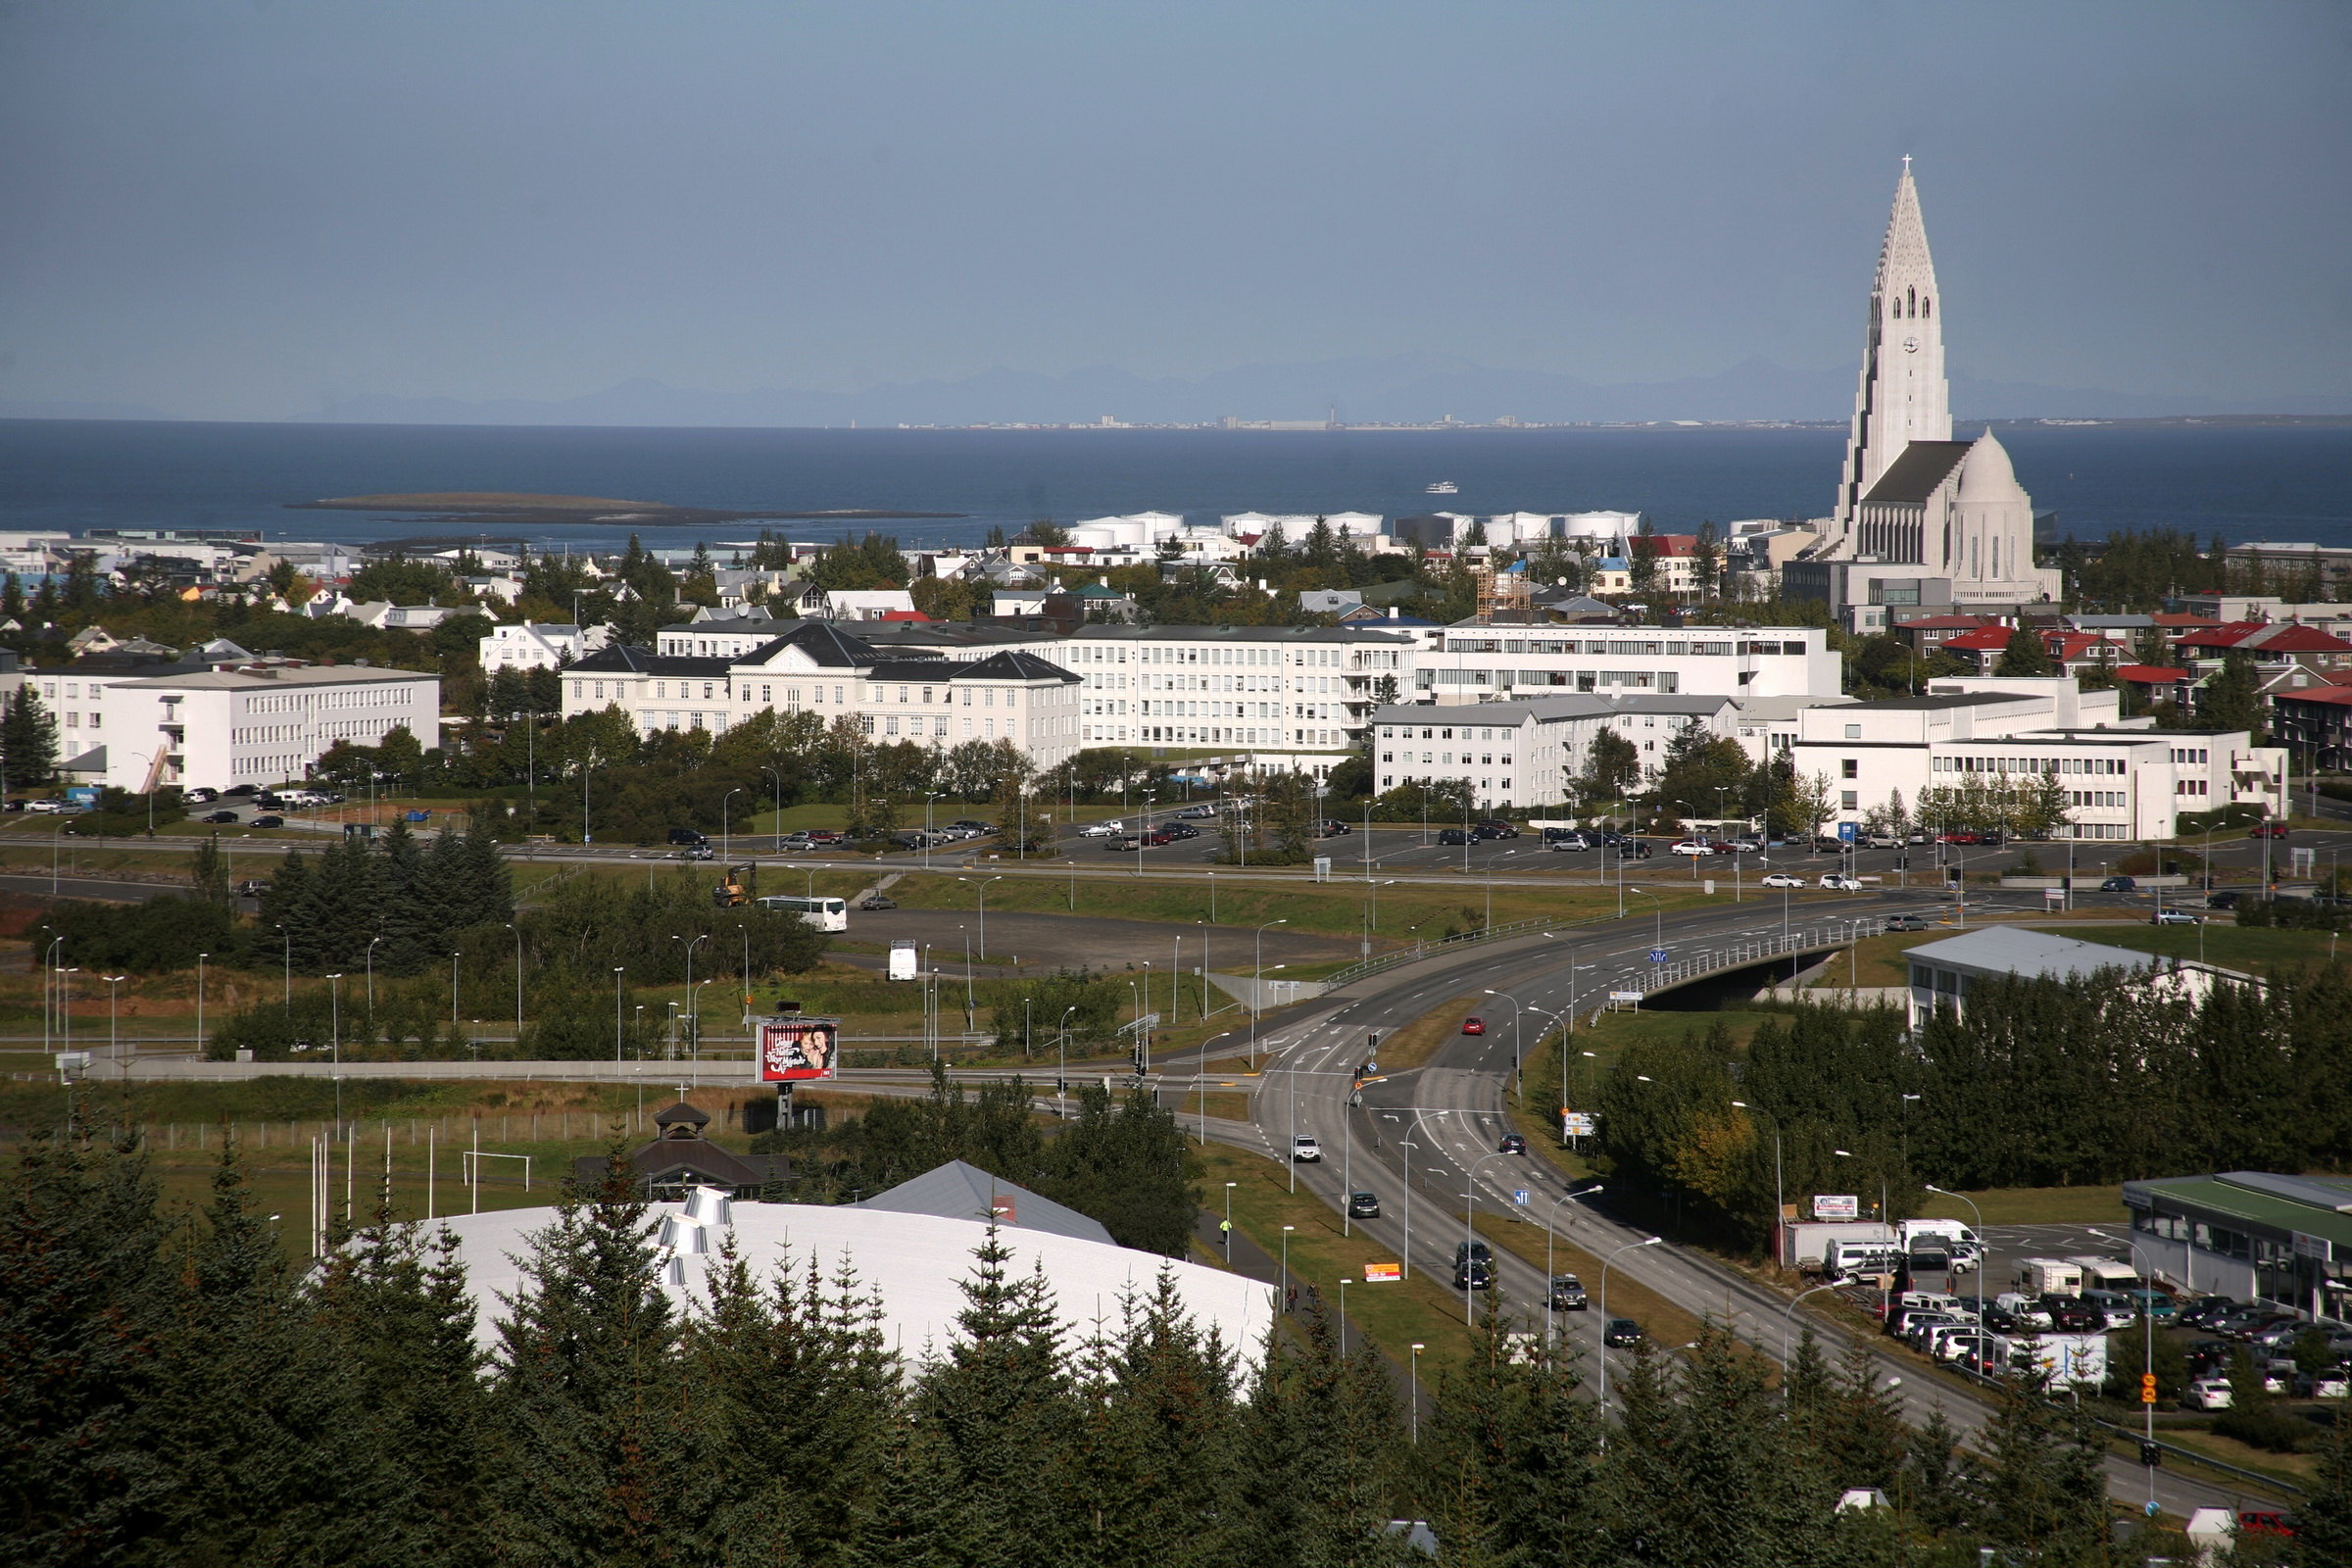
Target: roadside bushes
[{"x": 1028, "y": 1013}]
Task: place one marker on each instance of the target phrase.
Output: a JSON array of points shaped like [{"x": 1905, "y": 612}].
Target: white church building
[{"x": 1920, "y": 519}]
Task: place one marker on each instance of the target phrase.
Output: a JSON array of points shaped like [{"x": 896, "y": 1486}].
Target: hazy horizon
[{"x": 232, "y": 212}]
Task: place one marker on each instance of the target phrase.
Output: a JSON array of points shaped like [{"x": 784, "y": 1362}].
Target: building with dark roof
[
  {"x": 680, "y": 1158},
  {"x": 2250, "y": 1235}
]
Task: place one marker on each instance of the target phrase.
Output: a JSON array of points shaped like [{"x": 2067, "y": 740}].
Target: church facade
[{"x": 1945, "y": 520}]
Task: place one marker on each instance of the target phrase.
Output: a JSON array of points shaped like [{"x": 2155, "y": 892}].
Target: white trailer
[{"x": 2049, "y": 1276}]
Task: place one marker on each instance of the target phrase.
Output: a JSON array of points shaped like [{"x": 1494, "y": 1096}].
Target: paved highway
[{"x": 1452, "y": 1112}]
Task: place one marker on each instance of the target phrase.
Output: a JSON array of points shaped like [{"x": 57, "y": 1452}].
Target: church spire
[{"x": 1903, "y": 396}]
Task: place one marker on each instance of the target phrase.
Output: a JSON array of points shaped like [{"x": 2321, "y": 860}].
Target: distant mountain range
[{"x": 1405, "y": 389}]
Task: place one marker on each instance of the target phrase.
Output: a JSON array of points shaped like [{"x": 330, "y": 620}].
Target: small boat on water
[{"x": 1445, "y": 487}]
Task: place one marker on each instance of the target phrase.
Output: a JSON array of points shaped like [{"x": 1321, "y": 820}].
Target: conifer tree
[
  {"x": 998, "y": 1407},
  {"x": 86, "y": 1300},
  {"x": 28, "y": 740},
  {"x": 2041, "y": 1486},
  {"x": 1934, "y": 1476},
  {"x": 208, "y": 870},
  {"x": 595, "y": 1425},
  {"x": 1862, "y": 1434},
  {"x": 1509, "y": 1455},
  {"x": 1317, "y": 1454},
  {"x": 2324, "y": 1518}
]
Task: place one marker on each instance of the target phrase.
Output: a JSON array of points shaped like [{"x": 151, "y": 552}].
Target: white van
[
  {"x": 2025, "y": 1308},
  {"x": 2106, "y": 1273},
  {"x": 2049, "y": 1276},
  {"x": 1845, "y": 1259}
]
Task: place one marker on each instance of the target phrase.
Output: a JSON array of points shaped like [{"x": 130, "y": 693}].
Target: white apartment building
[
  {"x": 1485, "y": 664},
  {"x": 1522, "y": 753},
  {"x": 224, "y": 727},
  {"x": 1293, "y": 688},
  {"x": 823, "y": 668},
  {"x": 2125, "y": 779},
  {"x": 543, "y": 645}
]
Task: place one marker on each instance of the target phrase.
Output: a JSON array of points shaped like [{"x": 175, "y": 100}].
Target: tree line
[
  {"x": 174, "y": 1392},
  {"x": 2039, "y": 1083}
]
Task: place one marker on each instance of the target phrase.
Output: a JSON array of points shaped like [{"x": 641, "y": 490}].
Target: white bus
[{"x": 826, "y": 914}]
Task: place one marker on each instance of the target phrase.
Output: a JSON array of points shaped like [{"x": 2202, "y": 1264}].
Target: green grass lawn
[{"x": 2035, "y": 1205}]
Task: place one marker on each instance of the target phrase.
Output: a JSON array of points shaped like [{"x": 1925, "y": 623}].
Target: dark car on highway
[
  {"x": 1363, "y": 1205},
  {"x": 268, "y": 821},
  {"x": 1906, "y": 922},
  {"x": 1622, "y": 1334},
  {"x": 2118, "y": 884},
  {"x": 218, "y": 817},
  {"x": 2227, "y": 898},
  {"x": 1567, "y": 1293},
  {"x": 1452, "y": 835},
  {"x": 1473, "y": 1267},
  {"x": 1512, "y": 1144}
]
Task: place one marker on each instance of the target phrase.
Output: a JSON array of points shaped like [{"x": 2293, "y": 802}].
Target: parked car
[
  {"x": 1101, "y": 830},
  {"x": 1567, "y": 1293},
  {"x": 2118, "y": 884},
  {"x": 46, "y": 807},
  {"x": 1694, "y": 847},
  {"x": 1306, "y": 1151},
  {"x": 1452, "y": 835},
  {"x": 2069, "y": 1315},
  {"x": 1957, "y": 838},
  {"x": 219, "y": 818},
  {"x": 1747, "y": 845},
  {"x": 1125, "y": 844},
  {"x": 1906, "y": 922},
  {"x": 2173, "y": 917},
  {"x": 975, "y": 825},
  {"x": 877, "y": 901},
  {"x": 2208, "y": 1394},
  {"x": 1512, "y": 1144},
  {"x": 235, "y": 790},
  {"x": 1490, "y": 830},
  {"x": 2268, "y": 830},
  {"x": 1784, "y": 879},
  {"x": 200, "y": 796},
  {"x": 271, "y": 821},
  {"x": 1474, "y": 1025},
  {"x": 1198, "y": 812},
  {"x": 826, "y": 837},
  {"x": 2206, "y": 1311},
  {"x": 2120, "y": 1310},
  {"x": 1839, "y": 884},
  {"x": 1180, "y": 830},
  {"x": 1622, "y": 1334},
  {"x": 2334, "y": 1383}
]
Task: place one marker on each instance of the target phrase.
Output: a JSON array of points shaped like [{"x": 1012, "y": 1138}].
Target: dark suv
[
  {"x": 1363, "y": 1205},
  {"x": 1473, "y": 1267},
  {"x": 1452, "y": 835},
  {"x": 688, "y": 837}
]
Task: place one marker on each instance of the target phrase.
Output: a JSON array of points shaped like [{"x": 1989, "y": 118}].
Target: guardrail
[{"x": 2256, "y": 1477}]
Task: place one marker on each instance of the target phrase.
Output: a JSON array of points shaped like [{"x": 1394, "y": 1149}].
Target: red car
[
  {"x": 1474, "y": 1026},
  {"x": 1956, "y": 838},
  {"x": 2268, "y": 830}
]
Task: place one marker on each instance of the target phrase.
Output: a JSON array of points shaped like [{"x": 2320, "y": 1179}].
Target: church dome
[{"x": 1985, "y": 473}]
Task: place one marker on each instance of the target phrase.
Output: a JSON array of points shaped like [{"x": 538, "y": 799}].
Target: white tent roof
[{"x": 913, "y": 1262}]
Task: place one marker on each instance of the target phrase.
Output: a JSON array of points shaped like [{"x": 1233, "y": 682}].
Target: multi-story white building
[
  {"x": 544, "y": 645},
  {"x": 1484, "y": 664},
  {"x": 2123, "y": 778},
  {"x": 1288, "y": 688},
  {"x": 224, "y": 727},
  {"x": 1523, "y": 753},
  {"x": 823, "y": 668}
]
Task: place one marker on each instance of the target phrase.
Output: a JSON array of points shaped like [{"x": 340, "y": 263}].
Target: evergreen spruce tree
[
  {"x": 1152, "y": 1458},
  {"x": 790, "y": 1370},
  {"x": 488, "y": 897},
  {"x": 210, "y": 874},
  {"x": 402, "y": 1324},
  {"x": 2324, "y": 1518},
  {"x": 1509, "y": 1457},
  {"x": 596, "y": 1425},
  {"x": 292, "y": 903},
  {"x": 2041, "y": 1486},
  {"x": 28, "y": 740},
  {"x": 1934, "y": 1476},
  {"x": 85, "y": 1302},
  {"x": 410, "y": 930},
  {"x": 1318, "y": 1452},
  {"x": 1862, "y": 1434},
  {"x": 1698, "y": 1468},
  {"x": 250, "y": 1421},
  {"x": 996, "y": 1417}
]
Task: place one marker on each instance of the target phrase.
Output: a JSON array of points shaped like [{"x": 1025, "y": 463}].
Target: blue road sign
[{"x": 1657, "y": 955}]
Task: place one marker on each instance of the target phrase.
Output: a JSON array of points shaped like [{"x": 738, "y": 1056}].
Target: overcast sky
[{"x": 250, "y": 209}]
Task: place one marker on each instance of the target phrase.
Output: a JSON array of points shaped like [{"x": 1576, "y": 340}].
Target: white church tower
[{"x": 1903, "y": 397}]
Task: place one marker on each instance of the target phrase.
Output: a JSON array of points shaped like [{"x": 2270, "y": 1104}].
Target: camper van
[
  {"x": 2106, "y": 1273},
  {"x": 2049, "y": 1276}
]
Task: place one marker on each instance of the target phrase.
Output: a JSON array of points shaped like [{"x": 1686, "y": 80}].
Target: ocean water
[{"x": 2240, "y": 481}]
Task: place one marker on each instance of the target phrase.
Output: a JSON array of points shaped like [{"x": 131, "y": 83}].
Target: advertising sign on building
[
  {"x": 1826, "y": 1206},
  {"x": 794, "y": 1047}
]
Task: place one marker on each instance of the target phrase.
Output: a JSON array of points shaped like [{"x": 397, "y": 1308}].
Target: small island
[{"x": 509, "y": 506}]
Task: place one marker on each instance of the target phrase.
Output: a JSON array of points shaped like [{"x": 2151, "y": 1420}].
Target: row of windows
[
  {"x": 1912, "y": 303},
  {"x": 1389, "y": 732},
  {"x": 1574, "y": 646},
  {"x": 1446, "y": 758},
  {"x": 2191, "y": 754},
  {"x": 2112, "y": 766}
]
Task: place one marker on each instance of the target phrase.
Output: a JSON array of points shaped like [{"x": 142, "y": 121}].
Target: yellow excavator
[{"x": 739, "y": 889}]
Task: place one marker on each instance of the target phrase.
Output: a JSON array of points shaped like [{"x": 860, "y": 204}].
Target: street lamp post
[
  {"x": 1416, "y": 1399},
  {"x": 617, "y": 1016},
  {"x": 334, "y": 988},
  {"x": 1257, "y": 990},
  {"x": 1550, "y": 1216},
  {"x": 983, "y": 892},
  {"x": 1650, "y": 1240},
  {"x": 1228, "y": 1187},
  {"x": 1789, "y": 1317},
  {"x": 114, "y": 1024},
  {"x": 725, "y": 841},
  {"x": 200, "y": 957},
  {"x": 1286, "y": 1265}
]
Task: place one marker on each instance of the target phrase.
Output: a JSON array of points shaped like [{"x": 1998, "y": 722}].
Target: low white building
[
  {"x": 2125, "y": 779},
  {"x": 1482, "y": 664},
  {"x": 1291, "y": 688},
  {"x": 542, "y": 645},
  {"x": 219, "y": 728},
  {"x": 386, "y": 617},
  {"x": 867, "y": 604}
]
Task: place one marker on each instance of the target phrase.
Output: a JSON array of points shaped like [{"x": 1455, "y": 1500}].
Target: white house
[
  {"x": 385, "y": 616},
  {"x": 867, "y": 604},
  {"x": 543, "y": 645},
  {"x": 1481, "y": 663},
  {"x": 224, "y": 727},
  {"x": 1520, "y": 754}
]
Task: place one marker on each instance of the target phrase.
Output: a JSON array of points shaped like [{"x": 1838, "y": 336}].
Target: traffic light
[
  {"x": 2147, "y": 1388},
  {"x": 2152, "y": 1454}
]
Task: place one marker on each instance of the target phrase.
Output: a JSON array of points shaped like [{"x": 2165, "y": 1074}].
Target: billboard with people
[{"x": 793, "y": 1047}]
